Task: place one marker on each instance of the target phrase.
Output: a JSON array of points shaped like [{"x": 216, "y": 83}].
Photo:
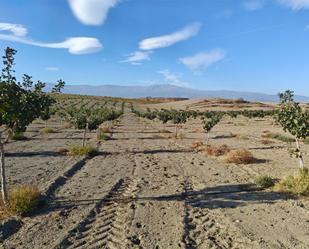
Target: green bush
[
  {"x": 279, "y": 137},
  {"x": 17, "y": 136},
  {"x": 47, "y": 130},
  {"x": 78, "y": 150},
  {"x": 264, "y": 181},
  {"x": 297, "y": 184}
]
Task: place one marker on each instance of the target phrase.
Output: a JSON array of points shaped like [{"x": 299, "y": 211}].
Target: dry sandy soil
[{"x": 149, "y": 190}]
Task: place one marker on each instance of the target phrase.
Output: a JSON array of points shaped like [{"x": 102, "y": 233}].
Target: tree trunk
[
  {"x": 45, "y": 123},
  {"x": 176, "y": 130},
  {"x": 84, "y": 136},
  {"x": 2, "y": 169},
  {"x": 207, "y": 138},
  {"x": 299, "y": 155}
]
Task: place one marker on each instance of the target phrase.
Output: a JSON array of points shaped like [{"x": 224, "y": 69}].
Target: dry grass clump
[
  {"x": 63, "y": 151},
  {"x": 239, "y": 156},
  {"x": 264, "y": 181},
  {"x": 21, "y": 200},
  {"x": 66, "y": 126},
  {"x": 266, "y": 141},
  {"x": 297, "y": 184},
  {"x": 47, "y": 130},
  {"x": 103, "y": 136},
  {"x": 105, "y": 129},
  {"x": 217, "y": 150},
  {"x": 79, "y": 150},
  {"x": 278, "y": 136},
  {"x": 197, "y": 144}
]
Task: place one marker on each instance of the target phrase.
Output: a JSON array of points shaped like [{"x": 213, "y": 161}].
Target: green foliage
[
  {"x": 78, "y": 150},
  {"x": 297, "y": 184},
  {"x": 264, "y": 181},
  {"x": 103, "y": 136},
  {"x": 47, "y": 130},
  {"x": 20, "y": 103},
  {"x": 291, "y": 116},
  {"x": 209, "y": 123},
  {"x": 59, "y": 86}
]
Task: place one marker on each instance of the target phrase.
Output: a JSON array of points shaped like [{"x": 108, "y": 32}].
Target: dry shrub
[
  {"x": 78, "y": 150},
  {"x": 105, "y": 129},
  {"x": 197, "y": 144},
  {"x": 264, "y": 181},
  {"x": 239, "y": 156},
  {"x": 265, "y": 142},
  {"x": 217, "y": 150},
  {"x": 297, "y": 184},
  {"x": 23, "y": 199},
  {"x": 63, "y": 151},
  {"x": 66, "y": 126}
]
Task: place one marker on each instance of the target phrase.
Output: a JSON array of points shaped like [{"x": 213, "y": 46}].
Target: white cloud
[
  {"x": 91, "y": 12},
  {"x": 173, "y": 78},
  {"x": 202, "y": 61},
  {"x": 75, "y": 45},
  {"x": 253, "y": 5},
  {"x": 52, "y": 69},
  {"x": 136, "y": 57},
  {"x": 295, "y": 4},
  {"x": 16, "y": 29},
  {"x": 170, "y": 39}
]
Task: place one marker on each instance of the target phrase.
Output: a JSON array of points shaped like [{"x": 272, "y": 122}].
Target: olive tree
[{"x": 293, "y": 119}]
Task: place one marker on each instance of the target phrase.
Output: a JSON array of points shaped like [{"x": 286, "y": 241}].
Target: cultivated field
[{"x": 147, "y": 189}]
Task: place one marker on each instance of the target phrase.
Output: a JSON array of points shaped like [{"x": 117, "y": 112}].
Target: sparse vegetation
[
  {"x": 22, "y": 200},
  {"x": 217, "y": 151},
  {"x": 78, "y": 150},
  {"x": 279, "y": 137},
  {"x": 264, "y": 181},
  {"x": 297, "y": 184},
  {"x": 239, "y": 156},
  {"x": 47, "y": 130}
]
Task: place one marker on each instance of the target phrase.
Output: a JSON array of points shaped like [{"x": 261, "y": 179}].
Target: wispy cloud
[
  {"x": 136, "y": 57},
  {"x": 170, "y": 39},
  {"x": 253, "y": 5},
  {"x": 295, "y": 4},
  {"x": 75, "y": 45},
  {"x": 52, "y": 69},
  {"x": 91, "y": 12},
  {"x": 307, "y": 27},
  {"x": 202, "y": 61},
  {"x": 15, "y": 29},
  {"x": 173, "y": 78}
]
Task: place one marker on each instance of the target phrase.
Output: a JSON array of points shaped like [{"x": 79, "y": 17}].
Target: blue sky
[{"x": 247, "y": 45}]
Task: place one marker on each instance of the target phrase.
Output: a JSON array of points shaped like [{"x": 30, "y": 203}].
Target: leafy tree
[
  {"x": 293, "y": 119},
  {"x": 59, "y": 86},
  {"x": 209, "y": 123},
  {"x": 20, "y": 104}
]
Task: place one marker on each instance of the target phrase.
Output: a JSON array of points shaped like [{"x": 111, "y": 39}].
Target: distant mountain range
[{"x": 166, "y": 90}]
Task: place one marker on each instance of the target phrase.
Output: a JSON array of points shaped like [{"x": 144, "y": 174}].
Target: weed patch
[
  {"x": 264, "y": 181},
  {"x": 78, "y": 150},
  {"x": 297, "y": 184}
]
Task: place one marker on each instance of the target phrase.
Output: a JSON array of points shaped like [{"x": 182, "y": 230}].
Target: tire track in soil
[
  {"x": 202, "y": 229},
  {"x": 103, "y": 227}
]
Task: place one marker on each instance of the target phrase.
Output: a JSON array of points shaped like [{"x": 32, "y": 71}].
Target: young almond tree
[
  {"x": 293, "y": 119},
  {"x": 20, "y": 104},
  {"x": 210, "y": 122}
]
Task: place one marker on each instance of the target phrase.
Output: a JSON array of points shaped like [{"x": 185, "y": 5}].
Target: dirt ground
[{"x": 146, "y": 189}]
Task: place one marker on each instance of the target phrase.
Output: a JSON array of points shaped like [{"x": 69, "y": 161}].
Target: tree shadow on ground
[{"x": 223, "y": 196}]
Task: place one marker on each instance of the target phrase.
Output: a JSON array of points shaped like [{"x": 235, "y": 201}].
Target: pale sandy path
[{"x": 150, "y": 191}]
